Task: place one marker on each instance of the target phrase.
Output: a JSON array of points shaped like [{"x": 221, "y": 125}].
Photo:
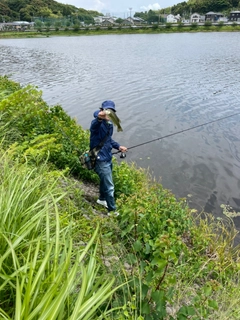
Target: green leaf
[
  {"x": 213, "y": 304},
  {"x": 137, "y": 246},
  {"x": 145, "y": 308},
  {"x": 207, "y": 290},
  {"x": 159, "y": 262}
]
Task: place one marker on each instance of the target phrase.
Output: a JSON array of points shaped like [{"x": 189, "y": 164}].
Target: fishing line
[{"x": 178, "y": 132}]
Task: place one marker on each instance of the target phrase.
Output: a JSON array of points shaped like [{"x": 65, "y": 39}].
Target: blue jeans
[{"x": 106, "y": 188}]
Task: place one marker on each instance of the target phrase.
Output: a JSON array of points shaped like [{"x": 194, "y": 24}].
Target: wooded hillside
[
  {"x": 29, "y": 10},
  {"x": 204, "y": 6},
  {"x": 186, "y": 8}
]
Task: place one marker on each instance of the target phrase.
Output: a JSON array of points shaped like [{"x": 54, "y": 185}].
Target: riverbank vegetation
[
  {"x": 154, "y": 29},
  {"x": 62, "y": 257}
]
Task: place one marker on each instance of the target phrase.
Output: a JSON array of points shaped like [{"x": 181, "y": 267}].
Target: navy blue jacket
[{"x": 99, "y": 130}]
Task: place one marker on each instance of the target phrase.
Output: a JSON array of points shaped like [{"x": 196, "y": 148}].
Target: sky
[{"x": 120, "y": 8}]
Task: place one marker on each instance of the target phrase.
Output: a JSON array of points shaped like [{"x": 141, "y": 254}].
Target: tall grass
[{"x": 43, "y": 274}]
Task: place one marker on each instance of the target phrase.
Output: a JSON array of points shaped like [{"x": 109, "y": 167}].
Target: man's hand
[{"x": 122, "y": 149}]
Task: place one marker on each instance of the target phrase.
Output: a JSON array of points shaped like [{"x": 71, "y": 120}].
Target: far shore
[{"x": 130, "y": 30}]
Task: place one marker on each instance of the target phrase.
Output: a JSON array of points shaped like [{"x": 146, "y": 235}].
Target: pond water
[{"x": 161, "y": 84}]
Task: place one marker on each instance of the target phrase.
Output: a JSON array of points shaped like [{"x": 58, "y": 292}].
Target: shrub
[
  {"x": 76, "y": 27},
  {"x": 168, "y": 25},
  {"x": 26, "y": 112},
  {"x": 42, "y": 274},
  {"x": 207, "y": 24},
  {"x": 194, "y": 25},
  {"x": 220, "y": 24}
]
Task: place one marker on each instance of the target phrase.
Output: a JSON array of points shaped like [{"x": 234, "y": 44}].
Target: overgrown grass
[
  {"x": 44, "y": 273},
  {"x": 59, "y": 260}
]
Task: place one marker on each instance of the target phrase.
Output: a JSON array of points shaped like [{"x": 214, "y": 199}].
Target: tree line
[
  {"x": 29, "y": 10},
  {"x": 185, "y": 9},
  {"x": 45, "y": 10}
]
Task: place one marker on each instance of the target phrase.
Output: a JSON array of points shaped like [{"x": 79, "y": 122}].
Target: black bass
[{"x": 114, "y": 118}]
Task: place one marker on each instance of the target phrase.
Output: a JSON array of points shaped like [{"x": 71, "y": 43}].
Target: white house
[
  {"x": 195, "y": 17},
  {"x": 134, "y": 20},
  {"x": 173, "y": 19},
  {"x": 103, "y": 19}
]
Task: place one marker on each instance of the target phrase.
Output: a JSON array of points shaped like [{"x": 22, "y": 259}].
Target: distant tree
[
  {"x": 152, "y": 16},
  {"x": 119, "y": 20},
  {"x": 57, "y": 25},
  {"x": 68, "y": 23},
  {"x": 25, "y": 14},
  {"x": 48, "y": 24},
  {"x": 67, "y": 10},
  {"x": 4, "y": 9},
  {"x": 180, "y": 8},
  {"x": 94, "y": 13},
  {"x": 142, "y": 15},
  {"x": 38, "y": 25},
  {"x": 16, "y": 5},
  {"x": 42, "y": 8},
  {"x": 44, "y": 12}
]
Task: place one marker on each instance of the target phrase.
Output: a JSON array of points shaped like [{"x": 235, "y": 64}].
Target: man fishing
[{"x": 101, "y": 131}]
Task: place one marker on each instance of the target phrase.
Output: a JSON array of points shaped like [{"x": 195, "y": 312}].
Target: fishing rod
[{"x": 123, "y": 155}]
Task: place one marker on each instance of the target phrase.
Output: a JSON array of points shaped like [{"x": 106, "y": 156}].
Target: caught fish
[{"x": 114, "y": 118}]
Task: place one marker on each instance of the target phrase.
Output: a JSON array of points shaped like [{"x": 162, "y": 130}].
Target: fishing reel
[{"x": 123, "y": 155}]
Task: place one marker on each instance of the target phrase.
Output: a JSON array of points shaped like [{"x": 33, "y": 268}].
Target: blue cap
[{"x": 108, "y": 104}]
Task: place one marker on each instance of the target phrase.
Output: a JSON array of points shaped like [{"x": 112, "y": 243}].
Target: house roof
[
  {"x": 20, "y": 22},
  {"x": 217, "y": 13}
]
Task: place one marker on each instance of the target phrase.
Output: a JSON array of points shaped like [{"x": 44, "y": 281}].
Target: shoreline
[{"x": 95, "y": 31}]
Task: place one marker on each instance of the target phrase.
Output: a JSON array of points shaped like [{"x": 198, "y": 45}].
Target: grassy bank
[
  {"x": 61, "y": 257},
  {"x": 139, "y": 30}
]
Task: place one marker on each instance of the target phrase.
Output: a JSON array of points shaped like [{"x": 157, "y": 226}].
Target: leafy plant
[
  {"x": 194, "y": 25},
  {"x": 43, "y": 275},
  {"x": 168, "y": 25},
  {"x": 207, "y": 24}
]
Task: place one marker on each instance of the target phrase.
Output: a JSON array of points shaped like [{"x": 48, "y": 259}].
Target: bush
[
  {"x": 207, "y": 24},
  {"x": 36, "y": 126},
  {"x": 220, "y": 24},
  {"x": 76, "y": 27},
  {"x": 194, "y": 25},
  {"x": 43, "y": 275},
  {"x": 168, "y": 25}
]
